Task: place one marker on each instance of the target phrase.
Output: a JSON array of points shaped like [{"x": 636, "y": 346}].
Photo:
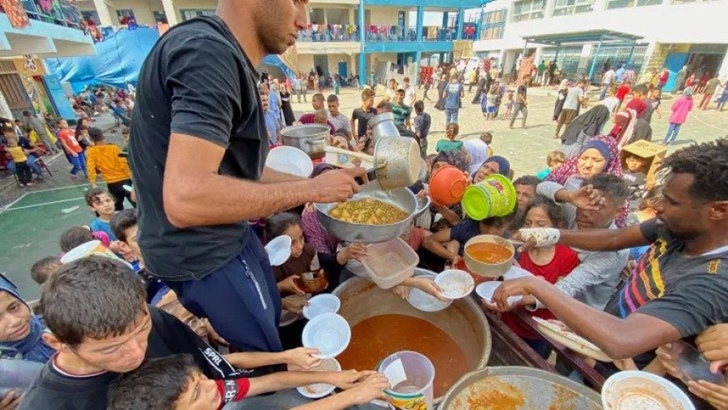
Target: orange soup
[{"x": 487, "y": 252}]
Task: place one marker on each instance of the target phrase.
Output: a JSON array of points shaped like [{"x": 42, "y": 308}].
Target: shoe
[
  {"x": 512, "y": 127},
  {"x": 29, "y": 184}
]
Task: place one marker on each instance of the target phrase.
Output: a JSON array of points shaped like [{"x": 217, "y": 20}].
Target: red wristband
[{"x": 233, "y": 390}]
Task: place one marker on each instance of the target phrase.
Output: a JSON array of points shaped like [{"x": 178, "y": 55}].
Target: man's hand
[
  {"x": 294, "y": 304},
  {"x": 337, "y": 186},
  {"x": 713, "y": 343},
  {"x": 369, "y": 388},
  {"x": 10, "y": 401},
  {"x": 348, "y": 379},
  {"x": 303, "y": 358},
  {"x": 586, "y": 198},
  {"x": 516, "y": 287},
  {"x": 714, "y": 394},
  {"x": 289, "y": 285},
  {"x": 668, "y": 362}
]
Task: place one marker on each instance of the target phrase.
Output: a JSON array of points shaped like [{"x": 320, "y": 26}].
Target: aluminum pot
[
  {"x": 309, "y": 138},
  {"x": 383, "y": 126},
  {"x": 352, "y": 232},
  {"x": 534, "y": 388},
  {"x": 397, "y": 162}
]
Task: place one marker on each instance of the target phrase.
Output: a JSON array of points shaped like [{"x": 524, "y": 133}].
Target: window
[
  {"x": 493, "y": 25},
  {"x": 124, "y": 15},
  {"x": 619, "y": 4},
  {"x": 566, "y": 7},
  {"x": 159, "y": 17},
  {"x": 192, "y": 13},
  {"x": 528, "y": 10}
]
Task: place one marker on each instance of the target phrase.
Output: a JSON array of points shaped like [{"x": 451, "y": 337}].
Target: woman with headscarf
[
  {"x": 624, "y": 125},
  {"x": 582, "y": 128},
  {"x": 493, "y": 165},
  {"x": 477, "y": 150},
  {"x": 560, "y": 98}
]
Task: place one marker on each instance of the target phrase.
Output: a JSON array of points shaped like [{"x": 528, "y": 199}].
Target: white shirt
[
  {"x": 340, "y": 121},
  {"x": 611, "y": 103},
  {"x": 409, "y": 96},
  {"x": 608, "y": 77}
]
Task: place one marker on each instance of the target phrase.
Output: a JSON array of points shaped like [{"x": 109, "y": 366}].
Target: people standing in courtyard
[
  {"x": 708, "y": 91},
  {"x": 607, "y": 80},
  {"x": 198, "y": 161},
  {"x": 37, "y": 125},
  {"x": 560, "y": 97},
  {"x": 521, "y": 102},
  {"x": 453, "y": 96},
  {"x": 723, "y": 97},
  {"x": 574, "y": 99},
  {"x": 360, "y": 117},
  {"x": 680, "y": 110}
]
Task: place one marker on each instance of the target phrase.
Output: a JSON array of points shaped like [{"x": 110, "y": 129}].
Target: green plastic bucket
[{"x": 493, "y": 196}]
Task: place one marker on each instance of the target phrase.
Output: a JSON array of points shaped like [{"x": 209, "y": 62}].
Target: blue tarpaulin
[{"x": 118, "y": 59}]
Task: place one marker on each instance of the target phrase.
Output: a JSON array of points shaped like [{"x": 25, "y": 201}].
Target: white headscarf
[{"x": 478, "y": 151}]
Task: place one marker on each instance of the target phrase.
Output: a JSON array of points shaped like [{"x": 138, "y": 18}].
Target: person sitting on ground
[
  {"x": 450, "y": 142},
  {"x": 104, "y": 157},
  {"x": 20, "y": 158},
  {"x": 174, "y": 383},
  {"x": 42, "y": 269},
  {"x": 101, "y": 326}
]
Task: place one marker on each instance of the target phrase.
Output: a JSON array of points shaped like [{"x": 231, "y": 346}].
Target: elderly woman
[{"x": 493, "y": 165}]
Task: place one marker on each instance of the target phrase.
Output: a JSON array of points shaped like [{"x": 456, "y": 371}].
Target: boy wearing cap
[{"x": 106, "y": 158}]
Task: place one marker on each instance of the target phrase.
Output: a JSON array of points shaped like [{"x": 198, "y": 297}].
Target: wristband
[
  {"x": 543, "y": 236},
  {"x": 233, "y": 390}
]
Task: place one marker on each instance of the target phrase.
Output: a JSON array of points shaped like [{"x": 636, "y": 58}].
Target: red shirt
[
  {"x": 622, "y": 92},
  {"x": 311, "y": 119},
  {"x": 640, "y": 106},
  {"x": 564, "y": 261},
  {"x": 68, "y": 136}
]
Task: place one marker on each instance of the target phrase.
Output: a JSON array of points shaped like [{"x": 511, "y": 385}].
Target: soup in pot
[{"x": 488, "y": 252}]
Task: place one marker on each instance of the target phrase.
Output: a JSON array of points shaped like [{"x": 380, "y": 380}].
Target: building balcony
[
  {"x": 57, "y": 32},
  {"x": 321, "y": 33},
  {"x": 409, "y": 34}
]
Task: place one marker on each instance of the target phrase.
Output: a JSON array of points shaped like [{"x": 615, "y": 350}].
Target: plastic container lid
[
  {"x": 279, "y": 250},
  {"x": 320, "y": 304},
  {"x": 319, "y": 390},
  {"x": 290, "y": 160},
  {"x": 389, "y": 263},
  {"x": 455, "y": 283},
  {"x": 327, "y": 332},
  {"x": 425, "y": 302},
  {"x": 515, "y": 272}
]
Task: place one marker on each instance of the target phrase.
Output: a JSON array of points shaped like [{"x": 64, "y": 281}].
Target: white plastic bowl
[
  {"x": 320, "y": 304},
  {"x": 319, "y": 390},
  {"x": 515, "y": 272},
  {"x": 632, "y": 389},
  {"x": 486, "y": 290},
  {"x": 279, "y": 250},
  {"x": 329, "y": 333},
  {"x": 290, "y": 160},
  {"x": 425, "y": 302},
  {"x": 455, "y": 283}
]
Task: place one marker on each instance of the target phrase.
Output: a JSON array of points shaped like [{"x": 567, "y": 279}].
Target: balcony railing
[
  {"x": 62, "y": 13},
  {"x": 330, "y": 32},
  {"x": 400, "y": 33}
]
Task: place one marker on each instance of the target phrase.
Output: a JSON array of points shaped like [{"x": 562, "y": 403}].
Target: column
[
  {"x": 548, "y": 11},
  {"x": 480, "y": 23},
  {"x": 169, "y": 11},
  {"x": 352, "y": 16},
  {"x": 420, "y": 18},
  {"x": 104, "y": 15},
  {"x": 461, "y": 21},
  {"x": 363, "y": 75}
]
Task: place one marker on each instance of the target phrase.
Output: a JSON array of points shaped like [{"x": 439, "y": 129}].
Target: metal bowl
[
  {"x": 351, "y": 232},
  {"x": 422, "y": 205}
]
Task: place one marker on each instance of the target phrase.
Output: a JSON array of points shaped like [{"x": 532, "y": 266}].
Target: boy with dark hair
[
  {"x": 114, "y": 169},
  {"x": 423, "y": 121},
  {"x": 173, "y": 383},
  {"x": 20, "y": 158},
  {"x": 360, "y": 116},
  {"x": 637, "y": 103},
  {"x": 100, "y": 326},
  {"x": 102, "y": 203},
  {"x": 75, "y": 236},
  {"x": 42, "y": 270},
  {"x": 400, "y": 111}
]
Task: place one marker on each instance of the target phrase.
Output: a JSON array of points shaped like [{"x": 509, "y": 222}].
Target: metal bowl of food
[{"x": 382, "y": 228}]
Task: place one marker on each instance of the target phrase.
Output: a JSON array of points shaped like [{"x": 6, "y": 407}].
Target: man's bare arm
[
  {"x": 271, "y": 176},
  {"x": 604, "y": 239}
]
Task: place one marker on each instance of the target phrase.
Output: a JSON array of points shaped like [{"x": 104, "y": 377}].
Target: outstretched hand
[{"x": 337, "y": 186}]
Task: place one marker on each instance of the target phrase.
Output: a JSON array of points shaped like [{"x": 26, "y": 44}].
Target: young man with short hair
[
  {"x": 318, "y": 102},
  {"x": 360, "y": 117},
  {"x": 521, "y": 103},
  {"x": 101, "y": 326},
  {"x": 423, "y": 121},
  {"x": 410, "y": 94},
  {"x": 400, "y": 111},
  {"x": 339, "y": 120}
]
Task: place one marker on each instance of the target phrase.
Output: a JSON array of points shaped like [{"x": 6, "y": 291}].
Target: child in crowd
[
  {"x": 20, "y": 157},
  {"x": 655, "y": 99},
  {"x": 74, "y": 151},
  {"x": 125, "y": 138},
  {"x": 509, "y": 105},
  {"x": 185, "y": 387},
  {"x": 622, "y": 92},
  {"x": 634, "y": 174},
  {"x": 450, "y": 143},
  {"x": 490, "y": 103},
  {"x": 42, "y": 270},
  {"x": 487, "y": 137},
  {"x": 638, "y": 103},
  {"x": 104, "y": 157},
  {"x": 423, "y": 121},
  {"x": 554, "y": 160},
  {"x": 611, "y": 102},
  {"x": 679, "y": 112},
  {"x": 103, "y": 205},
  {"x": 550, "y": 263},
  {"x": 78, "y": 235}
]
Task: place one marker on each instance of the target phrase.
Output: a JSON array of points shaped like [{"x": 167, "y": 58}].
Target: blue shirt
[
  {"x": 542, "y": 174},
  {"x": 274, "y": 102},
  {"x": 97, "y": 225},
  {"x": 464, "y": 231},
  {"x": 452, "y": 96},
  {"x": 272, "y": 124},
  {"x": 619, "y": 74}
]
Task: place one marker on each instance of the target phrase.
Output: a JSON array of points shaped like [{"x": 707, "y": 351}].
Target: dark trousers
[
  {"x": 24, "y": 173},
  {"x": 119, "y": 193}
]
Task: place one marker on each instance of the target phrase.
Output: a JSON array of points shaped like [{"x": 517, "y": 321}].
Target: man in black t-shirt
[
  {"x": 197, "y": 150},
  {"x": 101, "y": 326},
  {"x": 521, "y": 103},
  {"x": 360, "y": 117}
]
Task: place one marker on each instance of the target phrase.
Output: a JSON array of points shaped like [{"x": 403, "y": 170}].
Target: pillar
[
  {"x": 104, "y": 14},
  {"x": 352, "y": 16},
  {"x": 418, "y": 58},
  {"x": 420, "y": 21},
  {"x": 169, "y": 11},
  {"x": 480, "y": 23},
  {"x": 461, "y": 21},
  {"x": 363, "y": 74}
]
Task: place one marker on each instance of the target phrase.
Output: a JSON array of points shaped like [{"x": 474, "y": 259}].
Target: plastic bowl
[
  {"x": 320, "y": 304},
  {"x": 447, "y": 185},
  {"x": 455, "y": 283},
  {"x": 489, "y": 270},
  {"x": 319, "y": 390},
  {"x": 425, "y": 302},
  {"x": 515, "y": 272},
  {"x": 633, "y": 389},
  {"x": 290, "y": 160},
  {"x": 486, "y": 290},
  {"x": 279, "y": 250},
  {"x": 327, "y": 332}
]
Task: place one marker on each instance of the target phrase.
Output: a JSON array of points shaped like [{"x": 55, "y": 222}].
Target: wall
[
  {"x": 384, "y": 16},
  {"x": 143, "y": 9},
  {"x": 305, "y": 63}
]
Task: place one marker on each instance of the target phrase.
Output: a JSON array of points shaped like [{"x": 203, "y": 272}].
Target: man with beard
[
  {"x": 198, "y": 149},
  {"x": 679, "y": 287}
]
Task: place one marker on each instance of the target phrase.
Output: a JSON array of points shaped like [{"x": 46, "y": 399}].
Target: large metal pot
[
  {"x": 538, "y": 389},
  {"x": 397, "y": 162},
  {"x": 383, "y": 126},
  {"x": 351, "y": 232},
  {"x": 464, "y": 320},
  {"x": 309, "y": 138}
]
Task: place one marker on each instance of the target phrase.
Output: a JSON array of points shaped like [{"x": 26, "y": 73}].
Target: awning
[{"x": 584, "y": 37}]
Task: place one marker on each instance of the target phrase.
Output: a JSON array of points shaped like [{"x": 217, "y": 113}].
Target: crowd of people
[{"x": 187, "y": 314}]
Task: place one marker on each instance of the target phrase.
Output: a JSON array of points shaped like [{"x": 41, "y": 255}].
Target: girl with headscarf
[
  {"x": 624, "y": 125},
  {"x": 20, "y": 330},
  {"x": 560, "y": 98},
  {"x": 582, "y": 128}
]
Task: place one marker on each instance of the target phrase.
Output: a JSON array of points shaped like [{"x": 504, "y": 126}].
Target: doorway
[{"x": 321, "y": 64}]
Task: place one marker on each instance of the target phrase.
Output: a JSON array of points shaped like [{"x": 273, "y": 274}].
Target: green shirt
[
  {"x": 401, "y": 113},
  {"x": 447, "y": 145}
]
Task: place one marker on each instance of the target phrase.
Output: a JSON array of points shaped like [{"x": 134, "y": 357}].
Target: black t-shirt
[
  {"x": 195, "y": 81},
  {"x": 54, "y": 390},
  {"x": 522, "y": 91},
  {"x": 363, "y": 117}
]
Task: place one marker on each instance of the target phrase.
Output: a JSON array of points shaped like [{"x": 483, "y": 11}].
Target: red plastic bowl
[{"x": 447, "y": 186}]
